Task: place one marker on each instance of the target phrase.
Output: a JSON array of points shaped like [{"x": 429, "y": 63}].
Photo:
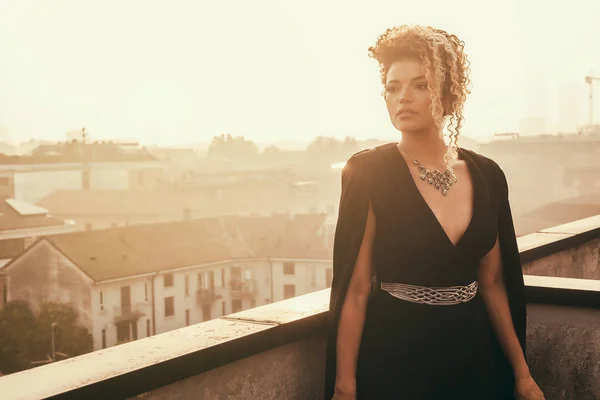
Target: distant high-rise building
[{"x": 569, "y": 107}]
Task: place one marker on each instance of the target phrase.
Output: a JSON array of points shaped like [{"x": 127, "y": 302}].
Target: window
[
  {"x": 168, "y": 279},
  {"x": 126, "y": 331},
  {"x": 147, "y": 328},
  {"x": 169, "y": 306},
  {"x": 328, "y": 276},
  {"x": 206, "y": 313},
  {"x": 223, "y": 277},
  {"x": 101, "y": 301},
  {"x": 187, "y": 285},
  {"x": 187, "y": 317},
  {"x": 146, "y": 291},
  {"x": 289, "y": 291},
  {"x": 103, "y": 338},
  {"x": 223, "y": 311},
  {"x": 289, "y": 268},
  {"x": 236, "y": 305}
]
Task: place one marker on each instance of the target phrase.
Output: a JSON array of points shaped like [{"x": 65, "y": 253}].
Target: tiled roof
[{"x": 121, "y": 252}]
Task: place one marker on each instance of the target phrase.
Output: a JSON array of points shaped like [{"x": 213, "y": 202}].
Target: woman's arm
[
  {"x": 352, "y": 316},
  {"x": 493, "y": 292}
]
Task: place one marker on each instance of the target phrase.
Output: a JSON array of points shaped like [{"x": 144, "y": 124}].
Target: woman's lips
[{"x": 406, "y": 114}]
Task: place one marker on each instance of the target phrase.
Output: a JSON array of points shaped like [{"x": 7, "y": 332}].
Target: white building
[
  {"x": 75, "y": 166},
  {"x": 130, "y": 283}
]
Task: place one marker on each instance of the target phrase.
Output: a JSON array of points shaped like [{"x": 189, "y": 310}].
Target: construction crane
[{"x": 590, "y": 81}]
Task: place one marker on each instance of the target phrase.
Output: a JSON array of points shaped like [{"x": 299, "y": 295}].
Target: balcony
[
  {"x": 245, "y": 289},
  {"x": 206, "y": 296},
  {"x": 132, "y": 312},
  {"x": 277, "y": 351}
]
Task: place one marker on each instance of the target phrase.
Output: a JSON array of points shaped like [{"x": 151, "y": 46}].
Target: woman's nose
[{"x": 404, "y": 96}]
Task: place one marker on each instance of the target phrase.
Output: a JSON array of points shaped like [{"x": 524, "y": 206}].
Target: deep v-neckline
[{"x": 427, "y": 207}]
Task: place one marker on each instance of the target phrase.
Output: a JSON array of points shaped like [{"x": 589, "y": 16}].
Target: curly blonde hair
[{"x": 447, "y": 72}]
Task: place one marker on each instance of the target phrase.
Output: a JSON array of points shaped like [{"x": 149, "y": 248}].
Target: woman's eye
[
  {"x": 422, "y": 86},
  {"x": 391, "y": 89}
]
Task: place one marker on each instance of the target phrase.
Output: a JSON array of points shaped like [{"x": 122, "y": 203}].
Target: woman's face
[{"x": 407, "y": 97}]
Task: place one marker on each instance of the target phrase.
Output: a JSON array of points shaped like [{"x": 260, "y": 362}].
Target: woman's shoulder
[
  {"x": 368, "y": 157},
  {"x": 484, "y": 162},
  {"x": 490, "y": 168}
]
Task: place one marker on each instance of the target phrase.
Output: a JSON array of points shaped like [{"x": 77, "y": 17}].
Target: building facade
[{"x": 127, "y": 286}]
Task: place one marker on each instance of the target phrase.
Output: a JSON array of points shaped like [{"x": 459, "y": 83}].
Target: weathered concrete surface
[
  {"x": 578, "y": 262},
  {"x": 293, "y": 371},
  {"x": 69, "y": 374},
  {"x": 563, "y": 350}
]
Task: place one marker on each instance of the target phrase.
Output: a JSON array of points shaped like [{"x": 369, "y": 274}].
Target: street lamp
[{"x": 53, "y": 353}]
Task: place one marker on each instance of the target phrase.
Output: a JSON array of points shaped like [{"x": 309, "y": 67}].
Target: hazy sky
[{"x": 184, "y": 71}]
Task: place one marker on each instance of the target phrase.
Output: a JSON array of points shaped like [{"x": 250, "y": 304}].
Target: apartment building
[{"x": 130, "y": 283}]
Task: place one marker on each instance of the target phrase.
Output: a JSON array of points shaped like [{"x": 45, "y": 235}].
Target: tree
[
  {"x": 227, "y": 146},
  {"x": 25, "y": 338},
  {"x": 333, "y": 148},
  {"x": 69, "y": 338},
  {"x": 17, "y": 325},
  {"x": 271, "y": 151}
]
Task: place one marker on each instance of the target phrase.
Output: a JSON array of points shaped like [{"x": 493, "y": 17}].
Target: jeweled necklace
[{"x": 442, "y": 181}]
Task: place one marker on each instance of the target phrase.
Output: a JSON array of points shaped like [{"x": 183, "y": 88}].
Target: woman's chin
[{"x": 409, "y": 126}]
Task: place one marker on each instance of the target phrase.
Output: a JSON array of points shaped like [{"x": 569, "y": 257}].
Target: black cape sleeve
[
  {"x": 353, "y": 209},
  {"x": 512, "y": 273},
  {"x": 349, "y": 232}
]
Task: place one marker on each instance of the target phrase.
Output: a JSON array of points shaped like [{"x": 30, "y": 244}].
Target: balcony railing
[
  {"x": 245, "y": 289},
  {"x": 130, "y": 312},
  {"x": 206, "y": 296},
  {"x": 277, "y": 351}
]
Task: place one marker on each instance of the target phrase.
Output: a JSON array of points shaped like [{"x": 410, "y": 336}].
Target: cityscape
[{"x": 175, "y": 239}]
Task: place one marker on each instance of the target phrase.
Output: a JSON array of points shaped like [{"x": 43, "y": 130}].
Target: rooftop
[
  {"x": 77, "y": 152},
  {"x": 558, "y": 213},
  {"x": 148, "y": 248},
  {"x": 223, "y": 199},
  {"x": 15, "y": 214}
]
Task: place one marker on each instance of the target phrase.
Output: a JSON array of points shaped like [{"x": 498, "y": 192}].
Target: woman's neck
[{"x": 428, "y": 149}]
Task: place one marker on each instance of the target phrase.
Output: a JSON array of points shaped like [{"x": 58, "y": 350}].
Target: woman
[{"x": 427, "y": 298}]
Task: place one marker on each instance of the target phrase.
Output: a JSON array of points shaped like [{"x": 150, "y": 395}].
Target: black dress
[{"x": 421, "y": 351}]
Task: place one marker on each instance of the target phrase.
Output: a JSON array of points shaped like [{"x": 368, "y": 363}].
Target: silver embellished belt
[{"x": 439, "y": 296}]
